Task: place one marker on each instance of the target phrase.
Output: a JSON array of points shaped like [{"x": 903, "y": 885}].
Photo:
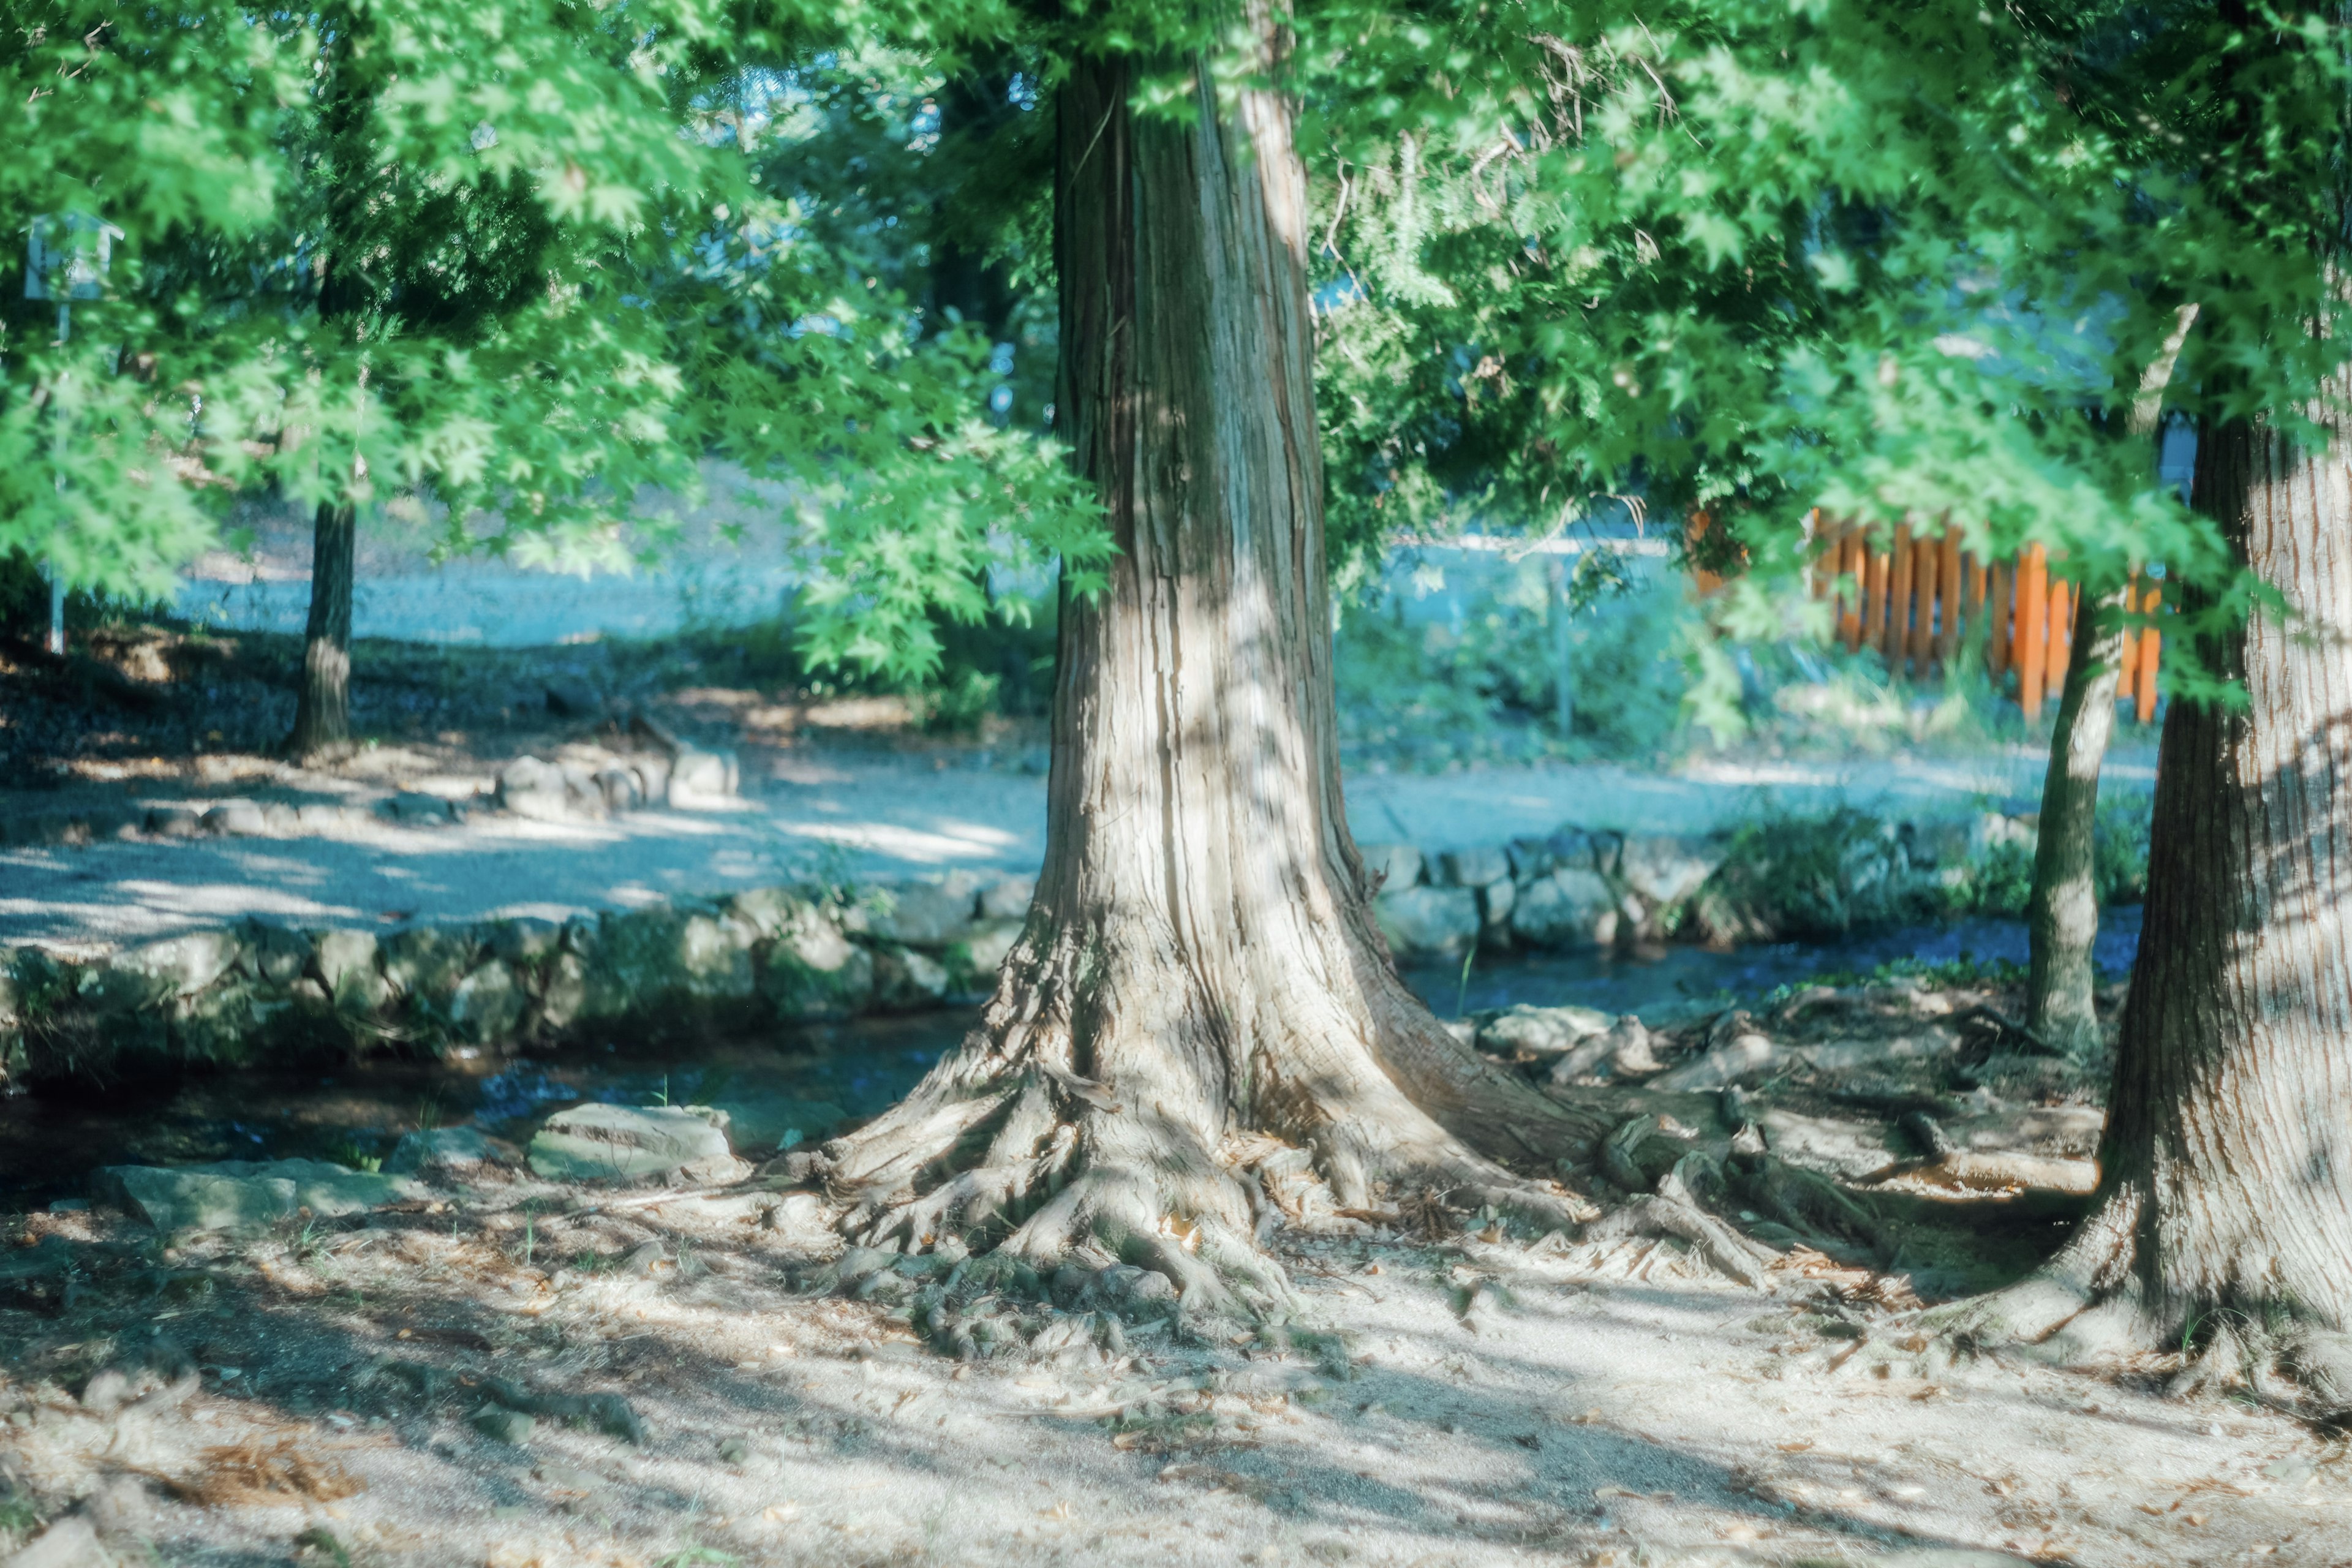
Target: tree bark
[
  {"x": 2230, "y": 1129},
  {"x": 2063, "y": 911},
  {"x": 323, "y": 705},
  {"x": 1200, "y": 960},
  {"x": 2226, "y": 1167}
]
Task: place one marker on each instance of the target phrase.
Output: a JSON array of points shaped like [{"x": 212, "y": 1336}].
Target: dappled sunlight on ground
[{"x": 1484, "y": 1401}]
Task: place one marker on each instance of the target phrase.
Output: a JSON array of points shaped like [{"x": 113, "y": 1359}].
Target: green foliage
[
  {"x": 518, "y": 256},
  {"x": 540, "y": 261},
  {"x": 1762, "y": 257}
]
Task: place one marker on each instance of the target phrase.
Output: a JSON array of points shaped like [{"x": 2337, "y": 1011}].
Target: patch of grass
[
  {"x": 1966, "y": 972},
  {"x": 349, "y": 1151}
]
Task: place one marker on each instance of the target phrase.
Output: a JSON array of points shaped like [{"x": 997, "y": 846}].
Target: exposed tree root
[
  {"x": 2089, "y": 1307},
  {"x": 1009, "y": 1148}
]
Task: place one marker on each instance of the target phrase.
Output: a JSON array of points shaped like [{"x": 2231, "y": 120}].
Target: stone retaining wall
[
  {"x": 257, "y": 992},
  {"x": 1576, "y": 889},
  {"x": 254, "y": 992}
]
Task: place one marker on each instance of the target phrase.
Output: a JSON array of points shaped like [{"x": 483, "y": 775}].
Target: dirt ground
[
  {"x": 151, "y": 708},
  {"x": 716, "y": 1380}
]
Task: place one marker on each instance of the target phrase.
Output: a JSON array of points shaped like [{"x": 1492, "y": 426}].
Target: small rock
[
  {"x": 1496, "y": 902},
  {"x": 174, "y": 822},
  {"x": 419, "y": 810},
  {"x": 1427, "y": 921},
  {"x": 427, "y": 961},
  {"x": 522, "y": 939},
  {"x": 1629, "y": 1050},
  {"x": 1569, "y": 908},
  {"x": 501, "y": 1424},
  {"x": 530, "y": 788},
  {"x": 1738, "y": 1060},
  {"x": 1007, "y": 898},
  {"x": 906, "y": 980},
  {"x": 234, "y": 1194},
  {"x": 1479, "y": 866},
  {"x": 487, "y": 1003},
  {"x": 275, "y": 956},
  {"x": 571, "y": 1477},
  {"x": 237, "y": 820},
  {"x": 621, "y": 789},
  {"x": 347, "y": 964},
  {"x": 1540, "y": 1031},
  {"x": 68, "y": 1543},
  {"x": 1666, "y": 868},
  {"x": 921, "y": 914},
  {"x": 733, "y": 1450},
  {"x": 621, "y": 1143},
  {"x": 183, "y": 965},
  {"x": 698, "y": 777}
]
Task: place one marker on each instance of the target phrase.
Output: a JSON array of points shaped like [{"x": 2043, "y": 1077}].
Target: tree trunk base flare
[
  {"x": 2088, "y": 1310},
  {"x": 2223, "y": 1232},
  {"x": 1008, "y": 1147}
]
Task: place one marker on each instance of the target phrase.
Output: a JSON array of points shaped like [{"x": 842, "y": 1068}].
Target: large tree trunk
[
  {"x": 2227, "y": 1163},
  {"x": 323, "y": 705},
  {"x": 1200, "y": 960},
  {"x": 2230, "y": 1129}
]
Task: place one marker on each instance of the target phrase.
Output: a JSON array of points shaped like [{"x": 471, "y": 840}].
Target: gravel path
[{"x": 839, "y": 814}]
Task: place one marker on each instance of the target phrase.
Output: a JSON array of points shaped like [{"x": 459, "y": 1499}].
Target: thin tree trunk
[
  {"x": 2063, "y": 912},
  {"x": 322, "y": 707},
  {"x": 322, "y": 704},
  {"x": 1200, "y": 960}
]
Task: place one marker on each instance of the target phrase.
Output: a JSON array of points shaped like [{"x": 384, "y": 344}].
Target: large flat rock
[{"x": 231, "y": 1195}]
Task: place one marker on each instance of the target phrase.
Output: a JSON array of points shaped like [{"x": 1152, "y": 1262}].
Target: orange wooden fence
[{"x": 1918, "y": 601}]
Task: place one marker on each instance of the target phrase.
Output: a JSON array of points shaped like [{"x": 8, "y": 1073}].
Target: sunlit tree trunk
[{"x": 1200, "y": 960}]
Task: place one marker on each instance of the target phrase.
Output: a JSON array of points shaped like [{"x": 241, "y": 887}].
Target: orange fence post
[
  {"x": 2151, "y": 643},
  {"x": 2064, "y": 598},
  {"x": 1854, "y": 566},
  {"x": 1899, "y": 601},
  {"x": 1995, "y": 633},
  {"x": 2030, "y": 628},
  {"x": 1927, "y": 556},
  {"x": 1950, "y": 577},
  {"x": 1873, "y": 594},
  {"x": 2127, "y": 649},
  {"x": 1972, "y": 602}
]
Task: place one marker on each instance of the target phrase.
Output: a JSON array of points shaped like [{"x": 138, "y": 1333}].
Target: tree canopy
[{"x": 541, "y": 260}]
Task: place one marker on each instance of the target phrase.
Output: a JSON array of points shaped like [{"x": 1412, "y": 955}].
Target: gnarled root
[
  {"x": 1673, "y": 1209},
  {"x": 1808, "y": 1203}
]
